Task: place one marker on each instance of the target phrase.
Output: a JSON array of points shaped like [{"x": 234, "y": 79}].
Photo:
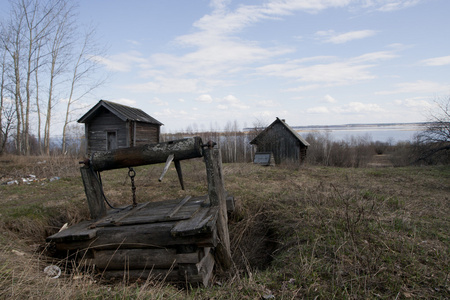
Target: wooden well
[{"x": 174, "y": 240}]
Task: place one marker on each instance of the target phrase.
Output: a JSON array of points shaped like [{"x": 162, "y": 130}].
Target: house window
[{"x": 111, "y": 140}]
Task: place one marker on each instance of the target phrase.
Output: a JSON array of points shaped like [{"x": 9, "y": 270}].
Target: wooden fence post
[
  {"x": 217, "y": 197},
  {"x": 93, "y": 192}
]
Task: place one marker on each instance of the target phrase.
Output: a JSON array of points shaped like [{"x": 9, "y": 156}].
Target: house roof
[
  {"x": 282, "y": 122},
  {"x": 123, "y": 112}
]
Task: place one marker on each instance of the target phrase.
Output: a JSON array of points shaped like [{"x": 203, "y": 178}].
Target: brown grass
[{"x": 296, "y": 233}]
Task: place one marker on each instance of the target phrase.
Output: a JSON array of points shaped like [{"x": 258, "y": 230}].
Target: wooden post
[
  {"x": 179, "y": 173},
  {"x": 217, "y": 197},
  {"x": 93, "y": 192}
]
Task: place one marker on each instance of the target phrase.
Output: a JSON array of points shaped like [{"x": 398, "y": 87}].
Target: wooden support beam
[
  {"x": 146, "y": 154},
  {"x": 179, "y": 173},
  {"x": 93, "y": 192},
  {"x": 166, "y": 167},
  {"x": 217, "y": 197}
]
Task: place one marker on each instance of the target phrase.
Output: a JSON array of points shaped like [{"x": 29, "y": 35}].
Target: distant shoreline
[
  {"x": 349, "y": 126},
  {"x": 354, "y": 126}
]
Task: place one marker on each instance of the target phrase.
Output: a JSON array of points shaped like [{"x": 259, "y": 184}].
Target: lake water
[{"x": 376, "y": 132}]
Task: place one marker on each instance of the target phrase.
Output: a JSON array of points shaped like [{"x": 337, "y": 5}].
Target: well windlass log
[{"x": 147, "y": 154}]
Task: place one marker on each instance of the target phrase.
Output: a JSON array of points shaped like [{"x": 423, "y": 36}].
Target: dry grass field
[{"x": 312, "y": 232}]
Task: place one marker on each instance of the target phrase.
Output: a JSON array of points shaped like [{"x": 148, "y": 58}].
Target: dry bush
[{"x": 352, "y": 152}]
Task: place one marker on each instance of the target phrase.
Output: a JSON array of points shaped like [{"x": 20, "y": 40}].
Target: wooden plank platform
[{"x": 173, "y": 235}]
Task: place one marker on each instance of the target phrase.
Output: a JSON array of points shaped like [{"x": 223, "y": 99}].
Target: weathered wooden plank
[
  {"x": 177, "y": 208},
  {"x": 202, "y": 270},
  {"x": 129, "y": 259},
  {"x": 93, "y": 192},
  {"x": 166, "y": 166},
  {"x": 179, "y": 173},
  {"x": 231, "y": 206},
  {"x": 152, "y": 235},
  {"x": 203, "y": 221},
  {"x": 151, "y": 212},
  {"x": 217, "y": 196},
  {"x": 78, "y": 232},
  {"x": 146, "y": 154}
]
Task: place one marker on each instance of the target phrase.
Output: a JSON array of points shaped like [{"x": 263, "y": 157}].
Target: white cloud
[
  {"x": 124, "y": 101},
  {"x": 326, "y": 70},
  {"x": 416, "y": 103},
  {"x": 392, "y": 5},
  {"x": 350, "y": 108},
  {"x": 232, "y": 102},
  {"x": 358, "y": 107},
  {"x": 336, "y": 73},
  {"x": 267, "y": 103},
  {"x": 205, "y": 99},
  {"x": 172, "y": 114},
  {"x": 318, "y": 110},
  {"x": 215, "y": 51},
  {"x": 166, "y": 85},
  {"x": 331, "y": 36},
  {"x": 159, "y": 102},
  {"x": 329, "y": 99},
  {"x": 122, "y": 62},
  {"x": 436, "y": 61},
  {"x": 419, "y": 86}
]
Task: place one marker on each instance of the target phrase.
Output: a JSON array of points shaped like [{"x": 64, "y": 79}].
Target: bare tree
[
  {"x": 3, "y": 136},
  {"x": 82, "y": 83},
  {"x": 40, "y": 47},
  {"x": 436, "y": 136},
  {"x": 28, "y": 28},
  {"x": 59, "y": 48}
]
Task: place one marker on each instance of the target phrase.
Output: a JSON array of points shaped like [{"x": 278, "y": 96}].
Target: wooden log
[
  {"x": 94, "y": 194},
  {"x": 123, "y": 259},
  {"x": 137, "y": 236},
  {"x": 217, "y": 196},
  {"x": 146, "y": 154},
  {"x": 132, "y": 259}
]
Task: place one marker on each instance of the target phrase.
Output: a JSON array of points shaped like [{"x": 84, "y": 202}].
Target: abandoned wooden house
[
  {"x": 179, "y": 240},
  {"x": 286, "y": 145},
  {"x": 110, "y": 125}
]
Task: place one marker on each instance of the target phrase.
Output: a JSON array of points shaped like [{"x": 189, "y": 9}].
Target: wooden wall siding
[
  {"x": 97, "y": 131},
  {"x": 146, "y": 133},
  {"x": 284, "y": 146}
]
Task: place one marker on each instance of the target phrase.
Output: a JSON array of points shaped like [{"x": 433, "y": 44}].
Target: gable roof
[
  {"x": 123, "y": 112},
  {"x": 289, "y": 128}
]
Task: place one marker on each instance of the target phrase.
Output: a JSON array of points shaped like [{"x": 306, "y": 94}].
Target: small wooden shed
[
  {"x": 110, "y": 125},
  {"x": 286, "y": 145}
]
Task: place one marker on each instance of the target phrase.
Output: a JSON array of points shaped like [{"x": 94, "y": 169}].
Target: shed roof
[
  {"x": 289, "y": 128},
  {"x": 123, "y": 112}
]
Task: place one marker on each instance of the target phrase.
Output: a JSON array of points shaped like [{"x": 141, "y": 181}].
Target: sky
[{"x": 205, "y": 65}]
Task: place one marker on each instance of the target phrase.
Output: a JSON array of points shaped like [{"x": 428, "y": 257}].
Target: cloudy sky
[{"x": 204, "y": 64}]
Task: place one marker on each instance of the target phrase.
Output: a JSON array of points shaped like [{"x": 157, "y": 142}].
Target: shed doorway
[{"x": 111, "y": 140}]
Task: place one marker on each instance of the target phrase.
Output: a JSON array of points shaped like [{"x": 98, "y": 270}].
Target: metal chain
[{"x": 132, "y": 173}]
